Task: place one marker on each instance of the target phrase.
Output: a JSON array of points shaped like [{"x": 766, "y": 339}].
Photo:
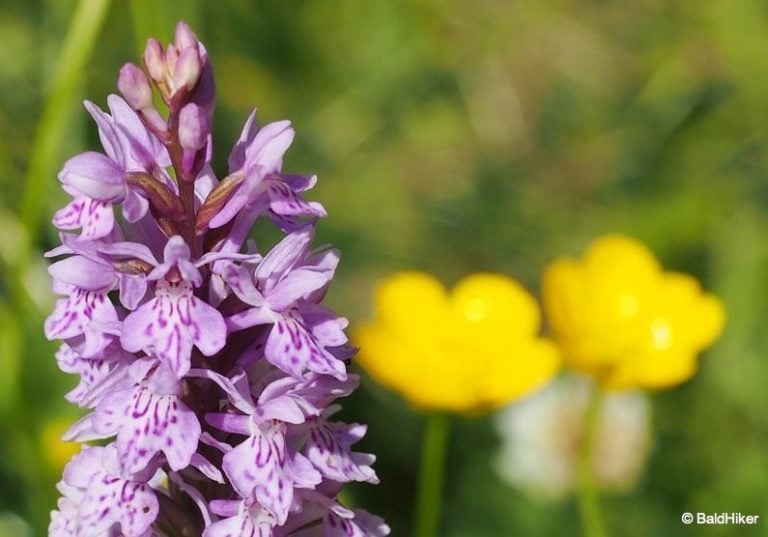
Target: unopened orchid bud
[
  {"x": 186, "y": 72},
  {"x": 133, "y": 84},
  {"x": 194, "y": 127},
  {"x": 185, "y": 37},
  {"x": 171, "y": 57},
  {"x": 154, "y": 60}
]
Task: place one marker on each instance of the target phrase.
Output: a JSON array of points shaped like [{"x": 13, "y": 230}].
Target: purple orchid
[
  {"x": 284, "y": 291},
  {"x": 98, "y": 501},
  {"x": 210, "y": 372}
]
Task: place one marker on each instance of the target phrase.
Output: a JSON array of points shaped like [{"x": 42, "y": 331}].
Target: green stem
[
  {"x": 51, "y": 130},
  {"x": 430, "y": 484},
  {"x": 589, "y": 501}
]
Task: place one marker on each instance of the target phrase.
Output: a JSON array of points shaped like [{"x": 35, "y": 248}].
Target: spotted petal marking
[
  {"x": 147, "y": 423},
  {"x": 72, "y": 315},
  {"x": 262, "y": 468},
  {"x": 97, "y": 379},
  {"x": 328, "y": 447},
  {"x": 284, "y": 201},
  {"x": 171, "y": 323},
  {"x": 112, "y": 500},
  {"x": 291, "y": 348},
  {"x": 107, "y": 503},
  {"x": 95, "y": 218}
]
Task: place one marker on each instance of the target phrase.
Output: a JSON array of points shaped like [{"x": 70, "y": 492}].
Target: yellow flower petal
[
  {"x": 410, "y": 301},
  {"x": 473, "y": 350},
  {"x": 496, "y": 302},
  {"x": 617, "y": 315}
]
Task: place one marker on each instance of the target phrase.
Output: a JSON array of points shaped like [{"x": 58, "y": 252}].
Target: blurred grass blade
[
  {"x": 80, "y": 40},
  {"x": 10, "y": 359}
]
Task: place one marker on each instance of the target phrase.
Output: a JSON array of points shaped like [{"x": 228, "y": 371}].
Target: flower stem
[
  {"x": 429, "y": 495},
  {"x": 589, "y": 502}
]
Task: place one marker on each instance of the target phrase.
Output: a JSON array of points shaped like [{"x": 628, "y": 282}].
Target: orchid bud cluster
[{"x": 209, "y": 371}]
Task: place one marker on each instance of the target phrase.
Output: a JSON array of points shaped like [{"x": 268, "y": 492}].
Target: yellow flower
[
  {"x": 56, "y": 451},
  {"x": 617, "y": 315},
  {"x": 473, "y": 349}
]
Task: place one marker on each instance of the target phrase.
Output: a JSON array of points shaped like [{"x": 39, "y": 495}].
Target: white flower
[{"x": 542, "y": 437}]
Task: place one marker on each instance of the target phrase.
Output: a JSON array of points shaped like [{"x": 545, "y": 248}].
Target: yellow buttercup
[
  {"x": 617, "y": 315},
  {"x": 473, "y": 349}
]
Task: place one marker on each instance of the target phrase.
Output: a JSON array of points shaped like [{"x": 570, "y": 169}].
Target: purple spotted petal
[
  {"x": 110, "y": 500},
  {"x": 95, "y": 218},
  {"x": 328, "y": 447},
  {"x": 171, "y": 323},
  {"x": 72, "y": 315},
  {"x": 299, "y": 183},
  {"x": 146, "y": 424},
  {"x": 293, "y": 349},
  {"x": 98, "y": 377},
  {"x": 68, "y": 360},
  {"x": 105, "y": 501},
  {"x": 283, "y": 201},
  {"x": 64, "y": 522},
  {"x": 262, "y": 468},
  {"x": 326, "y": 327}
]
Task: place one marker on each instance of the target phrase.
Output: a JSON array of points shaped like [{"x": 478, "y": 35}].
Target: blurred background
[{"x": 450, "y": 137}]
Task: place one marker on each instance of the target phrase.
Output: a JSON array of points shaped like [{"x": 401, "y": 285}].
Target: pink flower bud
[
  {"x": 193, "y": 127},
  {"x": 187, "y": 70},
  {"x": 185, "y": 38},
  {"x": 171, "y": 57},
  {"x": 154, "y": 60},
  {"x": 133, "y": 84}
]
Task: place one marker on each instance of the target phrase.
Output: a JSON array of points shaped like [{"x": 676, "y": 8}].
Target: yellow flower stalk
[
  {"x": 473, "y": 349},
  {"x": 617, "y": 315}
]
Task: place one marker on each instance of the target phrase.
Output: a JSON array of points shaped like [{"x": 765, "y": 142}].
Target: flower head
[
  {"x": 203, "y": 366},
  {"x": 616, "y": 314},
  {"x": 475, "y": 348}
]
